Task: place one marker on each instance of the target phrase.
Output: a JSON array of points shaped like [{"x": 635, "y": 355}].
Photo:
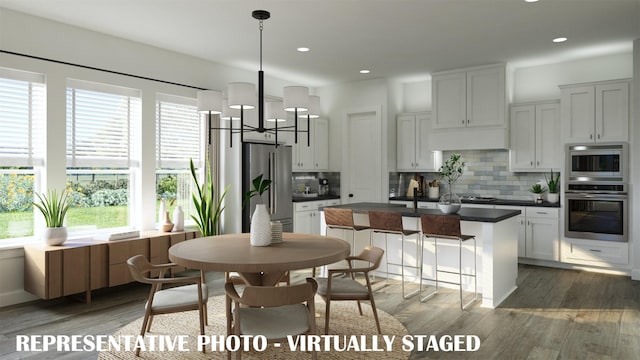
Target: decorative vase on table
[
  {"x": 260, "y": 227},
  {"x": 178, "y": 219},
  {"x": 167, "y": 225},
  {"x": 449, "y": 203},
  {"x": 55, "y": 235}
]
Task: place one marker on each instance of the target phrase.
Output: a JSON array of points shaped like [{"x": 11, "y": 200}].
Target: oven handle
[{"x": 578, "y": 196}]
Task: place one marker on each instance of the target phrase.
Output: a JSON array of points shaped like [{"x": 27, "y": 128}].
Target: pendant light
[{"x": 242, "y": 96}]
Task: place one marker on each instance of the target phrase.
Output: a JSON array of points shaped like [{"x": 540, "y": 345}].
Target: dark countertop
[
  {"x": 466, "y": 214},
  {"x": 319, "y": 198},
  {"x": 487, "y": 202}
]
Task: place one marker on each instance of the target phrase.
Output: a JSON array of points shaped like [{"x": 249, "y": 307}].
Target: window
[
  {"x": 101, "y": 123},
  {"x": 22, "y": 114},
  {"x": 179, "y": 138}
]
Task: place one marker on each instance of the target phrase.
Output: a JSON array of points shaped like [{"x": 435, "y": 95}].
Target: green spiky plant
[
  {"x": 53, "y": 207},
  {"x": 208, "y": 210},
  {"x": 260, "y": 186},
  {"x": 553, "y": 183}
]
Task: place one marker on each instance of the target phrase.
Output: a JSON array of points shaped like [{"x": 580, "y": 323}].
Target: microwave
[{"x": 605, "y": 163}]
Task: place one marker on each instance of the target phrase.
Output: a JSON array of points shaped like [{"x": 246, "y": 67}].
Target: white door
[
  {"x": 363, "y": 166},
  {"x": 406, "y": 146},
  {"x": 548, "y": 145},
  {"x": 578, "y": 114},
  {"x": 522, "y": 154},
  {"x": 612, "y": 112},
  {"x": 449, "y": 105},
  {"x": 486, "y": 97},
  {"x": 542, "y": 239}
]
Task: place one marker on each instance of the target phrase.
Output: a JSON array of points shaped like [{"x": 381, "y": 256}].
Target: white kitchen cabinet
[
  {"x": 538, "y": 234},
  {"x": 535, "y": 137},
  {"x": 596, "y": 112},
  {"x": 469, "y": 97},
  {"x": 413, "y": 152},
  {"x": 313, "y": 155},
  {"x": 542, "y": 238},
  {"x": 608, "y": 254},
  {"x": 306, "y": 216}
]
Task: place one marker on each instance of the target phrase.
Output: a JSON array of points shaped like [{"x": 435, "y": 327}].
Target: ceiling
[{"x": 404, "y": 39}]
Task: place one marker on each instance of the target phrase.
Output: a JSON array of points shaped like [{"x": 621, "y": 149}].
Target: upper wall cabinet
[
  {"x": 535, "y": 137},
  {"x": 595, "y": 112},
  {"x": 313, "y": 155},
  {"x": 471, "y": 97},
  {"x": 413, "y": 152}
]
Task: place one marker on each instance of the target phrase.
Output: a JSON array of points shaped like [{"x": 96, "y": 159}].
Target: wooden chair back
[
  {"x": 271, "y": 296},
  {"x": 386, "y": 221},
  {"x": 371, "y": 254},
  {"x": 338, "y": 217},
  {"x": 140, "y": 267},
  {"x": 447, "y": 226}
]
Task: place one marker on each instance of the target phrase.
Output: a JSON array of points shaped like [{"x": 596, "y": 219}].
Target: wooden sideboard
[{"x": 80, "y": 266}]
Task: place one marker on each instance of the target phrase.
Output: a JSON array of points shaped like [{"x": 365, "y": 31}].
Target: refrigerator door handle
[{"x": 273, "y": 171}]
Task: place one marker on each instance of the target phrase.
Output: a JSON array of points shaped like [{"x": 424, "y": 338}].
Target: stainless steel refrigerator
[{"x": 275, "y": 164}]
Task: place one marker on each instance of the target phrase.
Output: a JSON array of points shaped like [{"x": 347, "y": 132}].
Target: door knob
[{"x": 350, "y": 195}]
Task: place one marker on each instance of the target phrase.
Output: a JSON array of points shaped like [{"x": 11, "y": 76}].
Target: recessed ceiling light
[
  {"x": 531, "y": 1},
  {"x": 559, "y": 39},
  {"x": 364, "y": 71},
  {"x": 303, "y": 49}
]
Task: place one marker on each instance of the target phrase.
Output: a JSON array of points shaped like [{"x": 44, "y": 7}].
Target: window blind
[
  {"x": 100, "y": 125},
  {"x": 22, "y": 118},
  {"x": 178, "y": 132}
]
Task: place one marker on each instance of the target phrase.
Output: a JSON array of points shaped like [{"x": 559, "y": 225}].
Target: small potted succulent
[
  {"x": 54, "y": 208},
  {"x": 537, "y": 190},
  {"x": 553, "y": 184}
]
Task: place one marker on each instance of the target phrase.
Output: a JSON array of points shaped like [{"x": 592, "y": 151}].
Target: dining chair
[
  {"x": 389, "y": 222},
  {"x": 274, "y": 312},
  {"x": 172, "y": 299},
  {"x": 447, "y": 227},
  {"x": 334, "y": 288}
]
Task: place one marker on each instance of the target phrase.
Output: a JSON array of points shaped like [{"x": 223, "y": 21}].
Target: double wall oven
[{"x": 596, "y": 191}]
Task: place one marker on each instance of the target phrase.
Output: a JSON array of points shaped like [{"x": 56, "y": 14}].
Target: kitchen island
[{"x": 496, "y": 232}]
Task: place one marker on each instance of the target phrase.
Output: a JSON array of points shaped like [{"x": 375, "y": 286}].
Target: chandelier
[{"x": 242, "y": 96}]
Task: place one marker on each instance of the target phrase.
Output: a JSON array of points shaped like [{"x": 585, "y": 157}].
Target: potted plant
[
  {"x": 260, "y": 220},
  {"x": 54, "y": 208},
  {"x": 537, "y": 190},
  {"x": 553, "y": 184},
  {"x": 208, "y": 210},
  {"x": 450, "y": 172}
]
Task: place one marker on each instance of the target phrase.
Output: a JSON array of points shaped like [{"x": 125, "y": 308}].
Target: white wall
[{"x": 541, "y": 82}]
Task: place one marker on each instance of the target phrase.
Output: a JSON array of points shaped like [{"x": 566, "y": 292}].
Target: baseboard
[
  {"x": 15, "y": 297},
  {"x": 568, "y": 266}
]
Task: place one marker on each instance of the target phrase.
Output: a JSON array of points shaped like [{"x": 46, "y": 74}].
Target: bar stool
[
  {"x": 447, "y": 227},
  {"x": 388, "y": 222},
  {"x": 336, "y": 218}
]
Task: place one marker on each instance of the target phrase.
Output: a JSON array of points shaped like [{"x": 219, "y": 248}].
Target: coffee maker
[{"x": 323, "y": 187}]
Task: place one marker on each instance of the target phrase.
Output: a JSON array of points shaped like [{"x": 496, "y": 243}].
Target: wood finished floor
[{"x": 554, "y": 314}]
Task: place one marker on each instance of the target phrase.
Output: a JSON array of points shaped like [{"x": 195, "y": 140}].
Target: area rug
[{"x": 365, "y": 343}]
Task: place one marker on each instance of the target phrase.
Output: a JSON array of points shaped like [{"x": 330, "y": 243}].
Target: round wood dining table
[{"x": 258, "y": 265}]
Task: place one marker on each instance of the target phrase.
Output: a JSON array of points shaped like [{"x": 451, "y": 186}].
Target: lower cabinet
[
  {"x": 538, "y": 234},
  {"x": 542, "y": 240},
  {"x": 593, "y": 252},
  {"x": 306, "y": 217},
  {"x": 81, "y": 266}
]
